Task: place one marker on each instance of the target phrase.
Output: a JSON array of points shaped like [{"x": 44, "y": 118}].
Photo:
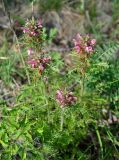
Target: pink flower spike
[
  {"x": 30, "y": 51},
  {"x": 59, "y": 94},
  {"x": 60, "y": 97},
  {"x": 83, "y": 44},
  {"x": 93, "y": 42}
]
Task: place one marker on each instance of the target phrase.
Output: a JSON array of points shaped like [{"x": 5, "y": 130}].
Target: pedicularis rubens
[
  {"x": 34, "y": 38},
  {"x": 56, "y": 109},
  {"x": 83, "y": 49},
  {"x": 58, "y": 115}
]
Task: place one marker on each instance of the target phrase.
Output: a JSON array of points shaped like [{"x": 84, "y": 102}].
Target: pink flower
[
  {"x": 83, "y": 44},
  {"x": 33, "y": 63},
  {"x": 33, "y": 33},
  {"x": 30, "y": 51},
  {"x": 77, "y": 40},
  {"x": 46, "y": 59},
  {"x": 78, "y": 43},
  {"x": 70, "y": 99},
  {"x": 41, "y": 67},
  {"x": 77, "y": 48},
  {"x": 93, "y": 42},
  {"x": 60, "y": 98},
  {"x": 25, "y": 30},
  {"x": 65, "y": 99},
  {"x": 88, "y": 49}
]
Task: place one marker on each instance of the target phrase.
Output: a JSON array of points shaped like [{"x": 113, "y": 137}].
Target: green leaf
[
  {"x": 40, "y": 130},
  {"x": 3, "y": 144}
]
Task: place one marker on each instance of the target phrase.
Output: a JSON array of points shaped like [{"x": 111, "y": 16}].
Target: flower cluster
[
  {"x": 65, "y": 99},
  {"x": 33, "y": 33},
  {"x": 32, "y": 28},
  {"x": 39, "y": 63},
  {"x": 84, "y": 44},
  {"x": 34, "y": 38}
]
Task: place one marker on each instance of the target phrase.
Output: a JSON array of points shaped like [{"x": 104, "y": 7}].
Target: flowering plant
[
  {"x": 34, "y": 35},
  {"x": 56, "y": 113},
  {"x": 34, "y": 38},
  {"x": 84, "y": 44},
  {"x": 83, "y": 49},
  {"x": 65, "y": 99}
]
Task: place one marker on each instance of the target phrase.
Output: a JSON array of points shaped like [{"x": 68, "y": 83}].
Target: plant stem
[
  {"x": 62, "y": 119},
  {"x": 82, "y": 86},
  {"x": 32, "y": 5},
  {"x": 100, "y": 142}
]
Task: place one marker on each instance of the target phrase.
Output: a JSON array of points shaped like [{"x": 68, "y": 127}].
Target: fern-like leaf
[{"x": 108, "y": 52}]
